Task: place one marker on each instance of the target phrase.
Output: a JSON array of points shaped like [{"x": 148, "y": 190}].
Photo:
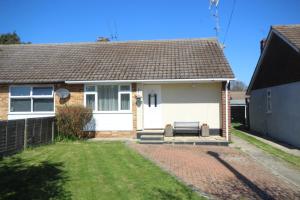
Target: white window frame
[
  {"x": 31, "y": 97},
  {"x": 91, "y": 92},
  {"x": 269, "y": 101},
  {"x": 119, "y": 98}
]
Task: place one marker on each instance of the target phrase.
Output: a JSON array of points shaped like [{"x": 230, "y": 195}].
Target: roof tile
[
  {"x": 290, "y": 32},
  {"x": 134, "y": 60}
]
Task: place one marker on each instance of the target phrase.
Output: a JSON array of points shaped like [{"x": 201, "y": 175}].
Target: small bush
[
  {"x": 72, "y": 119},
  {"x": 60, "y": 137}
]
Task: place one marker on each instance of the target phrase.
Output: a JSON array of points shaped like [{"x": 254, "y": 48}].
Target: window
[
  {"x": 269, "y": 103},
  {"x": 106, "y": 98},
  {"x": 20, "y": 91},
  {"x": 90, "y": 88},
  {"x": 42, "y": 105},
  {"x": 20, "y": 105},
  {"x": 31, "y": 99},
  {"x": 41, "y": 91},
  {"x": 125, "y": 101},
  {"x": 125, "y": 97},
  {"x": 90, "y": 101},
  {"x": 125, "y": 88}
]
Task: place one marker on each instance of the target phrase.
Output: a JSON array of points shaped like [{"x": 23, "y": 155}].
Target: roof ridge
[
  {"x": 285, "y": 25},
  {"x": 115, "y": 42}
]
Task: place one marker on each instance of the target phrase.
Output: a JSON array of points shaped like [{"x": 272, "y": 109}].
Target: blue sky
[{"x": 56, "y": 21}]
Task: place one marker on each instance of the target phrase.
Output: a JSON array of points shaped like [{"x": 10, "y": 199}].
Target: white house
[
  {"x": 274, "y": 88},
  {"x": 130, "y": 86}
]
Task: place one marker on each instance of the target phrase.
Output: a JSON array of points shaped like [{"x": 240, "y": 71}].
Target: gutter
[
  {"x": 152, "y": 81},
  {"x": 226, "y": 112}
]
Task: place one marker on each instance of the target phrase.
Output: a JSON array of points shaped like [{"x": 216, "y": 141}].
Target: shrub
[{"x": 71, "y": 120}]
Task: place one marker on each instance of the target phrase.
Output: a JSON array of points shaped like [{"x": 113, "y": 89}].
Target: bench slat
[{"x": 193, "y": 125}]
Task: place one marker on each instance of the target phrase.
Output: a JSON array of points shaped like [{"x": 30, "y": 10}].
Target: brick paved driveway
[{"x": 220, "y": 172}]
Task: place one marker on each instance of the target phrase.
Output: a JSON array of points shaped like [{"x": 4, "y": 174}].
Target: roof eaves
[
  {"x": 213, "y": 39},
  {"x": 262, "y": 55},
  {"x": 272, "y": 31},
  {"x": 286, "y": 39},
  {"x": 30, "y": 81}
]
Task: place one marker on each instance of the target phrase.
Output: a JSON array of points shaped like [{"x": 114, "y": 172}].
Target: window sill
[
  {"x": 32, "y": 113},
  {"x": 112, "y": 112}
]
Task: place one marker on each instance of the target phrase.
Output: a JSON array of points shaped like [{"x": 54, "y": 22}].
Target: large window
[
  {"x": 31, "y": 99},
  {"x": 108, "y": 97}
]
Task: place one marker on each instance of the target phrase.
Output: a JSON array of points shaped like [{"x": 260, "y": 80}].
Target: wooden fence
[{"x": 16, "y": 135}]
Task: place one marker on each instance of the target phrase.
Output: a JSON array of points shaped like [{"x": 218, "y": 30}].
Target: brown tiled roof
[
  {"x": 135, "y": 60},
  {"x": 290, "y": 32}
]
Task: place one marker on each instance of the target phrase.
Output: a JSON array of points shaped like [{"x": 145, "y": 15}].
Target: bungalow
[
  {"x": 274, "y": 105},
  {"x": 130, "y": 86}
]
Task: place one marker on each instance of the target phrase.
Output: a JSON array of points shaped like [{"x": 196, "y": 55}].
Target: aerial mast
[{"x": 213, "y": 7}]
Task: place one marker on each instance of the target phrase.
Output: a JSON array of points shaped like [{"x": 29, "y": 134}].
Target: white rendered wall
[
  {"x": 282, "y": 123},
  {"x": 192, "y": 102},
  {"x": 111, "y": 122}
]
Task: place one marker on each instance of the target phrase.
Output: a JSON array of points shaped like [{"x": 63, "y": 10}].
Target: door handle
[{"x": 149, "y": 100}]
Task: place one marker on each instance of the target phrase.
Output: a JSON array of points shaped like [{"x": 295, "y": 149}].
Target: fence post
[
  {"x": 16, "y": 138},
  {"x": 25, "y": 134},
  {"x": 52, "y": 131},
  {"x": 41, "y": 130},
  {"x": 6, "y": 143}
]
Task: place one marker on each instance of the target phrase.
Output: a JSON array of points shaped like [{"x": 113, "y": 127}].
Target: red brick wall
[
  {"x": 76, "y": 94},
  {"x": 3, "y": 102},
  {"x": 223, "y": 97},
  {"x": 134, "y": 108},
  {"x": 76, "y": 97}
]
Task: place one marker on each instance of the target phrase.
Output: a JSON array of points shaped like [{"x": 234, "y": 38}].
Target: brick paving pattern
[{"x": 220, "y": 172}]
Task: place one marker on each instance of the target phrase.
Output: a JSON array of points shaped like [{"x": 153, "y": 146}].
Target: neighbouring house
[
  {"x": 238, "y": 106},
  {"x": 275, "y": 86},
  {"x": 130, "y": 86}
]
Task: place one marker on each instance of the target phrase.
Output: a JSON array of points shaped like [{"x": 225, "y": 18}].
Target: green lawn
[
  {"x": 292, "y": 159},
  {"x": 86, "y": 170}
]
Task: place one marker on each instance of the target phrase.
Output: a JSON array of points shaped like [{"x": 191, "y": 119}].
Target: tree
[
  {"x": 103, "y": 39},
  {"x": 11, "y": 38},
  {"x": 237, "y": 86}
]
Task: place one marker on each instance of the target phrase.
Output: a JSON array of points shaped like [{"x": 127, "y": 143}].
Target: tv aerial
[{"x": 213, "y": 7}]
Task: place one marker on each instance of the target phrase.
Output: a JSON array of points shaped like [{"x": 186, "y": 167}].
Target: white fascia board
[{"x": 153, "y": 81}]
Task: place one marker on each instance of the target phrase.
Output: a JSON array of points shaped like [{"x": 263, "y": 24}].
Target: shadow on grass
[
  {"x": 253, "y": 187},
  {"x": 19, "y": 180}
]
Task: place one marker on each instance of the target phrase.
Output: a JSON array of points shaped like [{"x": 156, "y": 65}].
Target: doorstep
[{"x": 210, "y": 140}]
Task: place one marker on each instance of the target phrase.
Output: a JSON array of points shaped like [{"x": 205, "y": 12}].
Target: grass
[
  {"x": 86, "y": 170},
  {"x": 292, "y": 159}
]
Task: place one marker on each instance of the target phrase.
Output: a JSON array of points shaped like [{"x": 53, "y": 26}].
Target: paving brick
[{"x": 222, "y": 172}]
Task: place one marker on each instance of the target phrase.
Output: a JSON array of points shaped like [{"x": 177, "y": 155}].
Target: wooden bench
[{"x": 186, "y": 128}]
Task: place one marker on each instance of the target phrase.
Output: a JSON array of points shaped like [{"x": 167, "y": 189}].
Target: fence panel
[
  {"x": 3, "y": 136},
  {"x": 15, "y": 135}
]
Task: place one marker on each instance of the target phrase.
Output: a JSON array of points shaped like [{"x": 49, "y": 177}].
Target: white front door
[{"x": 152, "y": 107}]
